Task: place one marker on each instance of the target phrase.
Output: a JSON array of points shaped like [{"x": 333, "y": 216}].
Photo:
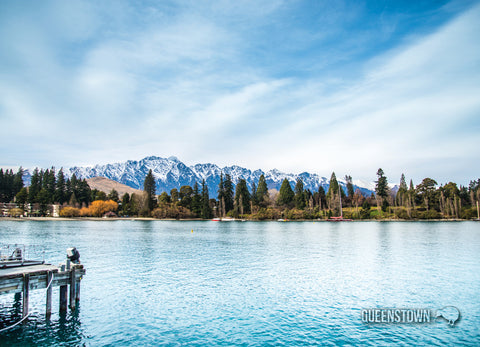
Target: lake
[{"x": 252, "y": 283}]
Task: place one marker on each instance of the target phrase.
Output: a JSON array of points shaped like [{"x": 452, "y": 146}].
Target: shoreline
[{"x": 97, "y": 219}]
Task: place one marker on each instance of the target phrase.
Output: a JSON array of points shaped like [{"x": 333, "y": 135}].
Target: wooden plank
[{"x": 26, "y": 279}]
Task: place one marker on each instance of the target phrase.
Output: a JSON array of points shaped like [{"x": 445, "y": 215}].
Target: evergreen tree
[
  {"x": 333, "y": 187},
  {"x": 253, "y": 195},
  {"x": 185, "y": 195},
  {"x": 262, "y": 191},
  {"x": 60, "y": 188},
  {"x": 18, "y": 181},
  {"x": 35, "y": 186},
  {"x": 206, "y": 211},
  {"x": 426, "y": 191},
  {"x": 174, "y": 195},
  {"x": 126, "y": 206},
  {"x": 286, "y": 194},
  {"x": 43, "y": 199},
  {"x": 48, "y": 183},
  {"x": 113, "y": 195},
  {"x": 381, "y": 187},
  {"x": 196, "y": 200},
  {"x": 149, "y": 188},
  {"x": 350, "y": 190},
  {"x": 322, "y": 198},
  {"x": 400, "y": 198},
  {"x": 242, "y": 197},
  {"x": 22, "y": 197},
  {"x": 228, "y": 192},
  {"x": 299, "y": 197},
  {"x": 221, "y": 196}
]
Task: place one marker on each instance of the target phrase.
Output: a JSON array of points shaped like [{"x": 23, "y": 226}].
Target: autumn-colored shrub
[
  {"x": 98, "y": 208},
  {"x": 69, "y": 212}
]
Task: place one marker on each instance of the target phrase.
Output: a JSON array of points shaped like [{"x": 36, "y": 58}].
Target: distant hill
[{"x": 106, "y": 185}]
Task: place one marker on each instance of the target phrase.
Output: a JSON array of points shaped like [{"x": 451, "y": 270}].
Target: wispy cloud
[{"x": 297, "y": 86}]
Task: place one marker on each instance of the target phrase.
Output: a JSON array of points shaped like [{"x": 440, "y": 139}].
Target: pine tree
[
  {"x": 35, "y": 186},
  {"x": 322, "y": 198},
  {"x": 60, "y": 188},
  {"x": 185, "y": 195},
  {"x": 206, "y": 212},
  {"x": 381, "y": 189},
  {"x": 221, "y": 197},
  {"x": 262, "y": 191},
  {"x": 286, "y": 194},
  {"x": 18, "y": 181},
  {"x": 150, "y": 189},
  {"x": 242, "y": 197},
  {"x": 400, "y": 198},
  {"x": 196, "y": 200},
  {"x": 350, "y": 191},
  {"x": 113, "y": 195},
  {"x": 228, "y": 192},
  {"x": 299, "y": 197},
  {"x": 332, "y": 187}
]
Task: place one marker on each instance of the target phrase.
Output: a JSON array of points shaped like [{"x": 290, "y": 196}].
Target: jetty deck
[{"x": 22, "y": 279}]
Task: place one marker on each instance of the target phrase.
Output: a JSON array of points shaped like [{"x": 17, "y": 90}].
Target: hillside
[{"x": 106, "y": 185}]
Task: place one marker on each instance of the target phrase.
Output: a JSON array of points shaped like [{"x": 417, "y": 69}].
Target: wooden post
[
  {"x": 77, "y": 292},
  {"x": 73, "y": 287},
  {"x": 26, "y": 285},
  {"x": 63, "y": 298},
  {"x": 49, "y": 294},
  {"x": 63, "y": 294}
]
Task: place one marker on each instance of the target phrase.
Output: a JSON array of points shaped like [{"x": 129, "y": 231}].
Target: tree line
[{"x": 427, "y": 200}]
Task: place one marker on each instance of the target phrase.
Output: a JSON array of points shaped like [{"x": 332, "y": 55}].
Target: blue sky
[{"x": 316, "y": 86}]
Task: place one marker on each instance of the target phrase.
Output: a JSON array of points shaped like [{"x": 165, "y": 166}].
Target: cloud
[{"x": 294, "y": 86}]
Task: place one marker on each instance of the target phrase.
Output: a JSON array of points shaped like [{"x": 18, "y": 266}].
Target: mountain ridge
[{"x": 172, "y": 173}]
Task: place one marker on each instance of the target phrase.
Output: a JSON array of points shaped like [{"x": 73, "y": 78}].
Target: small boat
[
  {"x": 225, "y": 219},
  {"x": 339, "y": 219},
  {"x": 282, "y": 220}
]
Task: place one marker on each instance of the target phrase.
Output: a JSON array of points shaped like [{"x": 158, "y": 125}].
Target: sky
[{"x": 317, "y": 86}]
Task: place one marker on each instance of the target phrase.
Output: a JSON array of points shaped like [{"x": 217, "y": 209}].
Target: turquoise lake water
[{"x": 252, "y": 283}]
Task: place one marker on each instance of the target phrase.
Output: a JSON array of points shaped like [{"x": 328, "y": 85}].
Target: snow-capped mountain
[{"x": 171, "y": 173}]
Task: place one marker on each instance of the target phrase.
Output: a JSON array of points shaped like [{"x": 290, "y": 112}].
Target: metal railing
[{"x": 20, "y": 254}]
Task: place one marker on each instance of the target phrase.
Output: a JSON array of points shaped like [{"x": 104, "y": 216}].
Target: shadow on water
[{"x": 62, "y": 329}]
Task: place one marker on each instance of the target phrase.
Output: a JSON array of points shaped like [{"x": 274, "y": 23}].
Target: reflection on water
[
  {"x": 157, "y": 282},
  {"x": 62, "y": 329}
]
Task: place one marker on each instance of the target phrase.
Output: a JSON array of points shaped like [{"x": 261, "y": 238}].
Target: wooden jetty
[{"x": 26, "y": 277}]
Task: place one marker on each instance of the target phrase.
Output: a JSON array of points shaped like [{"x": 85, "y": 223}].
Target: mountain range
[{"x": 171, "y": 173}]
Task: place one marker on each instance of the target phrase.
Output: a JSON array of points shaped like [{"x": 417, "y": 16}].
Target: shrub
[{"x": 69, "y": 212}]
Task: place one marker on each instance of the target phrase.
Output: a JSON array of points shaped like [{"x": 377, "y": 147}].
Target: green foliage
[
  {"x": 333, "y": 187},
  {"x": 365, "y": 211},
  {"x": 22, "y": 197},
  {"x": 185, "y": 196},
  {"x": 113, "y": 195},
  {"x": 228, "y": 193},
  {"x": 350, "y": 191},
  {"x": 286, "y": 194},
  {"x": 299, "y": 197},
  {"x": 381, "y": 187},
  {"x": 262, "y": 191},
  {"x": 196, "y": 201},
  {"x": 149, "y": 187},
  {"x": 206, "y": 211},
  {"x": 242, "y": 198}
]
